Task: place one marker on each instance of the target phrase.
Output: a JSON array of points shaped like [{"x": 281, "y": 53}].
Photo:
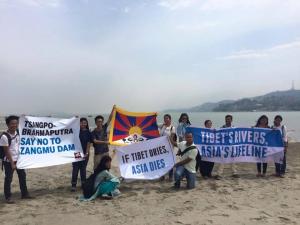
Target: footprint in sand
[
  {"x": 211, "y": 207},
  {"x": 233, "y": 207},
  {"x": 261, "y": 218},
  {"x": 224, "y": 191},
  {"x": 213, "y": 186},
  {"x": 285, "y": 219}
]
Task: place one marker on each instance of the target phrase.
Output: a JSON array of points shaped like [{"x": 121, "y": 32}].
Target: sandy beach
[{"x": 245, "y": 200}]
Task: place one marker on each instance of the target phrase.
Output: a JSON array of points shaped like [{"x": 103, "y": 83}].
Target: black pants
[
  {"x": 264, "y": 165},
  {"x": 79, "y": 166},
  {"x": 8, "y": 179},
  {"x": 280, "y": 168},
  {"x": 205, "y": 167}
]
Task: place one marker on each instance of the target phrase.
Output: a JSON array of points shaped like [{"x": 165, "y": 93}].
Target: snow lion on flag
[{"x": 130, "y": 127}]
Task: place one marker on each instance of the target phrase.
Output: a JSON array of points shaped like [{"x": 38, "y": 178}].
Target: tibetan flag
[{"x": 129, "y": 127}]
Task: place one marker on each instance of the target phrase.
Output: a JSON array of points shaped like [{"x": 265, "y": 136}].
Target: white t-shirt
[
  {"x": 167, "y": 131},
  {"x": 283, "y": 132},
  {"x": 14, "y": 146},
  {"x": 191, "y": 166}
]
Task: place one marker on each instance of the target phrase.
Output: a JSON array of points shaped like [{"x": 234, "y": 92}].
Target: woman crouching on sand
[
  {"x": 106, "y": 182},
  {"x": 262, "y": 122},
  {"x": 102, "y": 183}
]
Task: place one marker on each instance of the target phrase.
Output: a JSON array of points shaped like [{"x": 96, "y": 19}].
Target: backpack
[
  {"x": 88, "y": 186},
  {"x": 2, "y": 153},
  {"x": 9, "y": 138}
]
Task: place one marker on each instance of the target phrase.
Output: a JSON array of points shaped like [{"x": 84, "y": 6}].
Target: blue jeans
[
  {"x": 280, "y": 168},
  {"x": 190, "y": 177}
]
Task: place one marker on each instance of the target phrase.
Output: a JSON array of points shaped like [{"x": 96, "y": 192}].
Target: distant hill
[
  {"x": 206, "y": 107},
  {"x": 275, "y": 101}
]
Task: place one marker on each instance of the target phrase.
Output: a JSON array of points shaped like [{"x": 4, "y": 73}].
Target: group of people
[
  {"x": 105, "y": 183},
  {"x": 191, "y": 161}
]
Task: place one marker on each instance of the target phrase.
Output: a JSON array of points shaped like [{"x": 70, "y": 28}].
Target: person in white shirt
[
  {"x": 167, "y": 129},
  {"x": 10, "y": 141},
  {"x": 187, "y": 165},
  {"x": 281, "y": 167}
]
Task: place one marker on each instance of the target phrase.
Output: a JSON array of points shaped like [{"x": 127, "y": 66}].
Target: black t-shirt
[
  {"x": 100, "y": 136},
  {"x": 85, "y": 137}
]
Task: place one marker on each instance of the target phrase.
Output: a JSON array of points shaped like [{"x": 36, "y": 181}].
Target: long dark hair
[
  {"x": 184, "y": 115},
  {"x": 259, "y": 120},
  {"x": 102, "y": 164},
  {"x": 87, "y": 122}
]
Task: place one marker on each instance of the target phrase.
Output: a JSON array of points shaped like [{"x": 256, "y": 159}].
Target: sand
[{"x": 245, "y": 200}]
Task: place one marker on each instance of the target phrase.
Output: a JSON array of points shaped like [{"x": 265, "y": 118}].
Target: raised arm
[{"x": 111, "y": 114}]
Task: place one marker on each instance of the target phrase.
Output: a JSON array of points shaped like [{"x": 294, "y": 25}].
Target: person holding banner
[
  {"x": 206, "y": 167},
  {"x": 187, "y": 166},
  {"x": 10, "y": 142},
  {"x": 262, "y": 122},
  {"x": 85, "y": 137},
  {"x": 167, "y": 129},
  {"x": 228, "y": 124},
  {"x": 281, "y": 167},
  {"x": 184, "y": 122},
  {"x": 100, "y": 139}
]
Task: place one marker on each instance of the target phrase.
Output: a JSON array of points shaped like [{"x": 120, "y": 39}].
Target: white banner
[
  {"x": 146, "y": 160},
  {"x": 46, "y": 141}
]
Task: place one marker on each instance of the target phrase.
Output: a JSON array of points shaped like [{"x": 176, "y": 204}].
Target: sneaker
[
  {"x": 27, "y": 197},
  {"x": 258, "y": 175},
  {"x": 218, "y": 177},
  {"x": 162, "y": 178},
  {"x": 73, "y": 189},
  {"x": 106, "y": 197},
  {"x": 176, "y": 186},
  {"x": 9, "y": 201}
]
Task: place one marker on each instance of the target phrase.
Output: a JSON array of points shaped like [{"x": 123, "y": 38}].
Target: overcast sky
[{"x": 144, "y": 55}]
